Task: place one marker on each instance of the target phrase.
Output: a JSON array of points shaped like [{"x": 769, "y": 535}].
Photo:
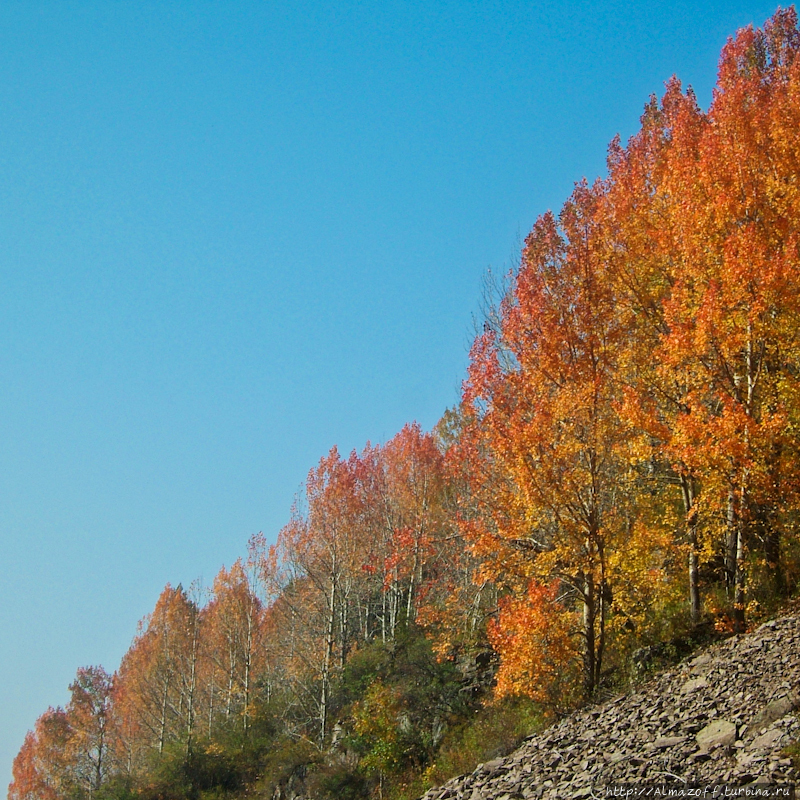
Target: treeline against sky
[{"x": 623, "y": 466}]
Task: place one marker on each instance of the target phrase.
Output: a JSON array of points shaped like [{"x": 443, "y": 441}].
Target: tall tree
[
  {"x": 90, "y": 719},
  {"x": 649, "y": 181},
  {"x": 321, "y": 553},
  {"x": 234, "y": 621},
  {"x": 41, "y": 768},
  {"x": 414, "y": 484},
  {"x": 731, "y": 316},
  {"x": 155, "y": 674},
  {"x": 542, "y": 397},
  {"x": 68, "y": 752}
]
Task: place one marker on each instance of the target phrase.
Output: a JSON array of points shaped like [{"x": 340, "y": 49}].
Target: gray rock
[
  {"x": 767, "y": 740},
  {"x": 693, "y": 685},
  {"x": 700, "y": 661},
  {"x": 774, "y": 711},
  {"x": 719, "y": 733},
  {"x": 664, "y": 742}
]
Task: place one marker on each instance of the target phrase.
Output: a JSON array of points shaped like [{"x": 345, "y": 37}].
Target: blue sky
[{"x": 235, "y": 234}]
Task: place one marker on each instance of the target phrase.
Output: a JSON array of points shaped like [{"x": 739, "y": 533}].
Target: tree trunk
[
  {"x": 739, "y": 575},
  {"x": 101, "y": 752},
  {"x": 730, "y": 542},
  {"x": 344, "y": 629},
  {"x": 690, "y": 515},
  {"x": 772, "y": 555},
  {"x": 248, "y": 658},
  {"x": 190, "y": 702},
  {"x": 162, "y": 728},
  {"x": 330, "y": 643},
  {"x": 589, "y": 612}
]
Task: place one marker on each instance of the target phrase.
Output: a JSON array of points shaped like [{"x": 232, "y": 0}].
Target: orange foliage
[
  {"x": 41, "y": 768},
  {"x": 532, "y": 635}
]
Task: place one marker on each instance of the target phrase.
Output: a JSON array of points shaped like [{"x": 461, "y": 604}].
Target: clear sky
[{"x": 235, "y": 234}]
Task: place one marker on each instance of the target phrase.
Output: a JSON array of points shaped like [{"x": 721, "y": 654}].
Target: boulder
[
  {"x": 719, "y": 733},
  {"x": 774, "y": 711},
  {"x": 693, "y": 685}
]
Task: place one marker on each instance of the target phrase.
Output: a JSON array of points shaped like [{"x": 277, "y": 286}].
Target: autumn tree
[
  {"x": 41, "y": 769},
  {"x": 642, "y": 202},
  {"x": 542, "y": 398},
  {"x": 156, "y": 692},
  {"x": 457, "y": 599},
  {"x": 415, "y": 483},
  {"x": 322, "y": 558},
  {"x": 731, "y": 314},
  {"x": 90, "y": 720},
  {"x": 234, "y": 623},
  {"x": 382, "y": 558},
  {"x": 68, "y": 752},
  {"x": 402, "y": 490}
]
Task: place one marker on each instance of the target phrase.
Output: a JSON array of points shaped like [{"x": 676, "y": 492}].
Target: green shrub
[
  {"x": 496, "y": 730},
  {"x": 337, "y": 782},
  {"x": 287, "y": 763}
]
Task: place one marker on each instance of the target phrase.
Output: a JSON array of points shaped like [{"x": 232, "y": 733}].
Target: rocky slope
[{"x": 722, "y": 717}]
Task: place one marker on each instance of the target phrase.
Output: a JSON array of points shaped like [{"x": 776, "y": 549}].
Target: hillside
[{"x": 723, "y": 716}]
